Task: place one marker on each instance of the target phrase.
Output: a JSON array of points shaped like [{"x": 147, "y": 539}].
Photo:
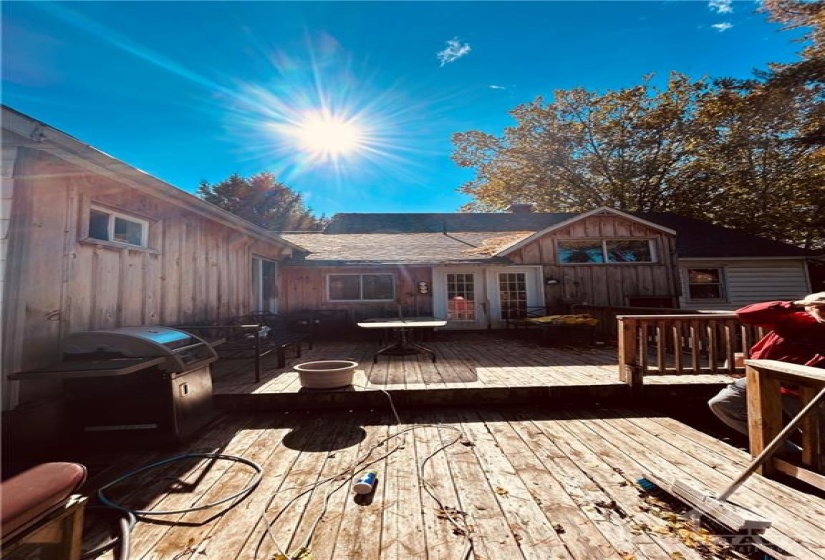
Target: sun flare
[{"x": 327, "y": 136}]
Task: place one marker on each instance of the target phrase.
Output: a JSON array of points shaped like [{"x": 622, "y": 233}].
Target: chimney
[{"x": 520, "y": 208}]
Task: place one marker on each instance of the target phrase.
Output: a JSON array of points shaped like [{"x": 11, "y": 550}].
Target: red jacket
[{"x": 795, "y": 336}]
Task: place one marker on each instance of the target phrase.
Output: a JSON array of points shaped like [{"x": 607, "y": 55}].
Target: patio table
[{"x": 402, "y": 344}]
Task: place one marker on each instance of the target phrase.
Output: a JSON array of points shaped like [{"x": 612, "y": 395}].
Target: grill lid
[{"x": 138, "y": 342}]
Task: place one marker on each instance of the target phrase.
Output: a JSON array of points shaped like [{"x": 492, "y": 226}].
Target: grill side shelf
[{"x": 88, "y": 368}]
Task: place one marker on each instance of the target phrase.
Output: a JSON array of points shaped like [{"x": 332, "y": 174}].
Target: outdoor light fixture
[
  {"x": 550, "y": 281},
  {"x": 423, "y": 288}
]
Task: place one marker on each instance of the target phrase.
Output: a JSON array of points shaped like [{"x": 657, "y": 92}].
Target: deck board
[
  {"x": 470, "y": 368},
  {"x": 534, "y": 483}
]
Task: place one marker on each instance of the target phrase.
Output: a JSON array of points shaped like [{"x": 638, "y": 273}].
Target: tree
[
  {"x": 765, "y": 179},
  {"x": 623, "y": 149},
  {"x": 795, "y": 14},
  {"x": 262, "y": 200},
  {"x": 731, "y": 152},
  {"x": 810, "y": 71}
]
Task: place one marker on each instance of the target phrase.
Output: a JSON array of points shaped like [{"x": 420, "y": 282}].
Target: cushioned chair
[{"x": 41, "y": 514}]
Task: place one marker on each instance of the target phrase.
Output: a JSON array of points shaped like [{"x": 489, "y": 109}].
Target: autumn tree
[
  {"x": 262, "y": 200},
  {"x": 762, "y": 176},
  {"x": 810, "y": 70},
  {"x": 624, "y": 149},
  {"x": 731, "y": 152},
  {"x": 801, "y": 14}
]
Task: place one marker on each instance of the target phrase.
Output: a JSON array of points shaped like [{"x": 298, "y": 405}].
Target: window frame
[
  {"x": 605, "y": 255},
  {"x": 360, "y": 275},
  {"x": 723, "y": 293},
  {"x": 113, "y": 215}
]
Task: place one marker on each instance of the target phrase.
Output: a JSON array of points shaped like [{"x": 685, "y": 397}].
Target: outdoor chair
[{"x": 42, "y": 514}]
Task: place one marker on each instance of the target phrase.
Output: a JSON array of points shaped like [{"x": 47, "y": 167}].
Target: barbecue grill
[{"x": 150, "y": 383}]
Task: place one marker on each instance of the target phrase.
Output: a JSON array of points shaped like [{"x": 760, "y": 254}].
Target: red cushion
[{"x": 30, "y": 495}]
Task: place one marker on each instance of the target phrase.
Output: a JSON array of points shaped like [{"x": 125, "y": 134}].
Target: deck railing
[
  {"x": 766, "y": 406},
  {"x": 681, "y": 344},
  {"x": 606, "y": 314}
]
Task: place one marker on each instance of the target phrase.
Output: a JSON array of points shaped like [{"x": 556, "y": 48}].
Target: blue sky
[{"x": 191, "y": 91}]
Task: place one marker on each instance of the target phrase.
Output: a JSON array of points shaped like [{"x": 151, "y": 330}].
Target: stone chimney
[{"x": 520, "y": 208}]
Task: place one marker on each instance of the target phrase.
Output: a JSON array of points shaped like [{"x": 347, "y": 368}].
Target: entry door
[
  {"x": 513, "y": 290},
  {"x": 264, "y": 285},
  {"x": 458, "y": 296}
]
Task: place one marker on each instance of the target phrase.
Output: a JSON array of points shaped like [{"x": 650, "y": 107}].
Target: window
[
  {"x": 361, "y": 287},
  {"x": 705, "y": 283},
  {"x": 461, "y": 295},
  {"x": 264, "y": 285},
  {"x": 605, "y": 251},
  {"x": 106, "y": 225}
]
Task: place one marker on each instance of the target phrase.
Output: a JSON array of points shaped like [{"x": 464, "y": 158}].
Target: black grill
[{"x": 134, "y": 383}]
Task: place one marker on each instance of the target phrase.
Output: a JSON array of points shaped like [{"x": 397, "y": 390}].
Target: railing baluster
[
  {"x": 661, "y": 342},
  {"x": 676, "y": 332}
]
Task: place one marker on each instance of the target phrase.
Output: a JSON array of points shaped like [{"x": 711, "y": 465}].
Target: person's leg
[{"x": 730, "y": 405}]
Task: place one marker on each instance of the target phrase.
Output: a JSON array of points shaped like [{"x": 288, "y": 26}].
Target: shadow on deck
[{"x": 489, "y": 368}]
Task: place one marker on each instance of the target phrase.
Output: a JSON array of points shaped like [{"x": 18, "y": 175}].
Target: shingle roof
[
  {"x": 424, "y": 248},
  {"x": 443, "y": 238},
  {"x": 438, "y": 223},
  {"x": 699, "y": 239}
]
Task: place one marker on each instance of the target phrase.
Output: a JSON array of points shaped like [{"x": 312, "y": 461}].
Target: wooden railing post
[
  {"x": 764, "y": 413},
  {"x": 630, "y": 371}
]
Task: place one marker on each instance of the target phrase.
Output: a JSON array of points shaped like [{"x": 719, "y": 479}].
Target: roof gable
[{"x": 602, "y": 211}]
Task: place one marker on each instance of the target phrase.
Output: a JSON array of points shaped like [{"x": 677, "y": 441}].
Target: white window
[
  {"x": 106, "y": 225},
  {"x": 705, "y": 283},
  {"x": 606, "y": 251},
  {"x": 361, "y": 287}
]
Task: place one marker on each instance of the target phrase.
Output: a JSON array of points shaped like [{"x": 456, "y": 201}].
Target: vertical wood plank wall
[
  {"x": 195, "y": 269},
  {"x": 304, "y": 288},
  {"x": 604, "y": 284}
]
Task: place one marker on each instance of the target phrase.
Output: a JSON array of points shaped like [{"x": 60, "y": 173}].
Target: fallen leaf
[{"x": 501, "y": 491}]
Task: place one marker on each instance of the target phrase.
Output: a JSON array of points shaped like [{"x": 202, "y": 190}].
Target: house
[
  {"x": 476, "y": 268},
  {"x": 90, "y": 243}
]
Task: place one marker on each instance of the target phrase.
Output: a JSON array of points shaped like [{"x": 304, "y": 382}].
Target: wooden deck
[
  {"x": 471, "y": 368},
  {"x": 477, "y": 483},
  {"x": 500, "y": 449}
]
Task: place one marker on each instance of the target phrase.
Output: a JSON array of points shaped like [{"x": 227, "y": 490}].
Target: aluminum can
[{"x": 366, "y": 483}]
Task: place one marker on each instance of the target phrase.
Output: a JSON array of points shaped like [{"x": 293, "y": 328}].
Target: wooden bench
[{"x": 42, "y": 516}]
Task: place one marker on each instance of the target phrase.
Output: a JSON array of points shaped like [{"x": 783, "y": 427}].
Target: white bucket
[{"x": 326, "y": 374}]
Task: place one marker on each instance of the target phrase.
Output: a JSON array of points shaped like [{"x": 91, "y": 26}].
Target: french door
[
  {"x": 459, "y": 297},
  {"x": 513, "y": 290},
  {"x": 481, "y": 298}
]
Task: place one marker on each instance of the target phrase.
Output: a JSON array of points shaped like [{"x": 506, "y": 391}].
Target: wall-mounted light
[
  {"x": 423, "y": 287},
  {"x": 550, "y": 281}
]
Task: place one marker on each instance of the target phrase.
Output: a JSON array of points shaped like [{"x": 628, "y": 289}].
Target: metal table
[{"x": 401, "y": 329}]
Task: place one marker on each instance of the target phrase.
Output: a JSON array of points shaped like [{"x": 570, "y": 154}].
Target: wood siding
[
  {"x": 194, "y": 269},
  {"x": 603, "y": 284},
  {"x": 750, "y": 281},
  {"x": 305, "y": 288}
]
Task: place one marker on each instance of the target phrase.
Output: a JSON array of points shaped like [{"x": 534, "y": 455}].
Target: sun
[{"x": 323, "y": 135}]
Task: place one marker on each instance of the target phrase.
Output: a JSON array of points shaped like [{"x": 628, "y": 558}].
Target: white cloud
[
  {"x": 724, "y": 26},
  {"x": 455, "y": 50},
  {"x": 721, "y": 6},
  {"x": 493, "y": 86}
]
